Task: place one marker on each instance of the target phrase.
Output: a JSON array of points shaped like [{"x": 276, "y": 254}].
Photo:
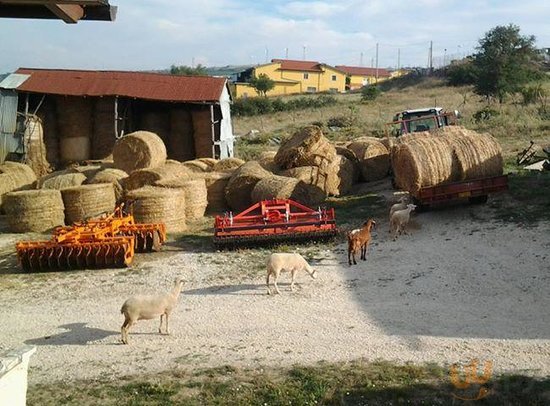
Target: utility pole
[
  {"x": 304, "y": 53},
  {"x": 286, "y": 53},
  {"x": 430, "y": 57},
  {"x": 361, "y": 60},
  {"x": 372, "y": 62},
  {"x": 398, "y": 59},
  {"x": 377, "y": 62}
]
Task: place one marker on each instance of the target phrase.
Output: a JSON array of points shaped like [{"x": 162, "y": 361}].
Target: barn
[{"x": 79, "y": 114}]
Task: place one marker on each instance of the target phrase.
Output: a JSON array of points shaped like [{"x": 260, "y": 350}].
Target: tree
[
  {"x": 262, "y": 84},
  {"x": 505, "y": 62},
  {"x": 199, "y": 70}
]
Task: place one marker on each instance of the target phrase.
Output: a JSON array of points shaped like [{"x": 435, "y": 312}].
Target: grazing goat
[
  {"x": 358, "y": 240},
  {"x": 279, "y": 262},
  {"x": 146, "y": 307},
  {"x": 402, "y": 205},
  {"x": 400, "y": 219}
]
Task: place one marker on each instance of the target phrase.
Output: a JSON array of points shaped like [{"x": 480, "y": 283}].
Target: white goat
[
  {"x": 279, "y": 262},
  {"x": 146, "y": 307},
  {"x": 402, "y": 205},
  {"x": 400, "y": 219}
]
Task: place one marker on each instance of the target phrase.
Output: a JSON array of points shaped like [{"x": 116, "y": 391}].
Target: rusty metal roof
[
  {"x": 138, "y": 85},
  {"x": 362, "y": 71}
]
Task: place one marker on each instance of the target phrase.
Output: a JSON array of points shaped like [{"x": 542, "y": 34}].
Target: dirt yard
[{"x": 461, "y": 286}]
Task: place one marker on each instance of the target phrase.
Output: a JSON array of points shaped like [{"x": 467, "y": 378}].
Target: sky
[{"x": 155, "y": 34}]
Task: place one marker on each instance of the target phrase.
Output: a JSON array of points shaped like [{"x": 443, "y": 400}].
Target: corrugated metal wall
[{"x": 8, "y": 122}]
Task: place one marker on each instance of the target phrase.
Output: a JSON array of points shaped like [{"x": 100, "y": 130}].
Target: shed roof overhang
[{"x": 70, "y": 11}]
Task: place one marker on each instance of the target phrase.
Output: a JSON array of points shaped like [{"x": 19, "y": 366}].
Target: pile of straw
[
  {"x": 181, "y": 144},
  {"x": 62, "y": 179},
  {"x": 196, "y": 196},
  {"x": 160, "y": 205},
  {"x": 150, "y": 176},
  {"x": 373, "y": 156},
  {"x": 111, "y": 175},
  {"x": 209, "y": 161},
  {"x": 35, "y": 148},
  {"x": 88, "y": 201},
  {"x": 216, "y": 182},
  {"x": 202, "y": 133},
  {"x": 139, "y": 150},
  {"x": 307, "y": 147},
  {"x": 280, "y": 187},
  {"x": 239, "y": 188},
  {"x": 34, "y": 210},
  {"x": 104, "y": 133},
  {"x": 197, "y": 166},
  {"x": 227, "y": 164},
  {"x": 341, "y": 175}
]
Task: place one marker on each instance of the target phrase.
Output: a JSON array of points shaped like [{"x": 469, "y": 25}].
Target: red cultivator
[{"x": 273, "y": 221}]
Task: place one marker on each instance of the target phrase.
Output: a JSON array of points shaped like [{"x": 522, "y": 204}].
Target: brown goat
[{"x": 358, "y": 240}]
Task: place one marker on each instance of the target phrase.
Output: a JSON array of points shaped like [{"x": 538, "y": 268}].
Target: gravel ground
[{"x": 461, "y": 286}]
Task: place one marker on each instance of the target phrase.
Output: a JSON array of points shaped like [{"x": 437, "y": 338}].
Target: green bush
[
  {"x": 261, "y": 105},
  {"x": 369, "y": 93},
  {"x": 461, "y": 73},
  {"x": 533, "y": 94},
  {"x": 486, "y": 113}
]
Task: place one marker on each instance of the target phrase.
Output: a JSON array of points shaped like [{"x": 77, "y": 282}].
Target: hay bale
[
  {"x": 150, "y": 176},
  {"x": 341, "y": 175},
  {"x": 202, "y": 133},
  {"x": 160, "y": 205},
  {"x": 314, "y": 177},
  {"x": 216, "y": 182},
  {"x": 60, "y": 180},
  {"x": 373, "y": 156},
  {"x": 227, "y": 164},
  {"x": 110, "y": 175},
  {"x": 139, "y": 150},
  {"x": 239, "y": 188},
  {"x": 87, "y": 170},
  {"x": 267, "y": 161},
  {"x": 208, "y": 161},
  {"x": 280, "y": 187},
  {"x": 6, "y": 186},
  {"x": 88, "y": 201},
  {"x": 34, "y": 210},
  {"x": 196, "y": 196},
  {"x": 74, "y": 149},
  {"x": 35, "y": 148},
  {"x": 181, "y": 144},
  {"x": 197, "y": 166},
  {"x": 50, "y": 126},
  {"x": 307, "y": 147},
  {"x": 104, "y": 134},
  {"x": 21, "y": 175}
]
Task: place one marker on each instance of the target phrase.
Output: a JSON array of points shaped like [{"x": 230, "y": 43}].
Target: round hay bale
[
  {"x": 307, "y": 147},
  {"x": 315, "y": 179},
  {"x": 374, "y": 158},
  {"x": 62, "y": 179},
  {"x": 22, "y": 175},
  {"x": 139, "y": 150},
  {"x": 422, "y": 160},
  {"x": 341, "y": 175},
  {"x": 209, "y": 161},
  {"x": 34, "y": 210},
  {"x": 160, "y": 205},
  {"x": 111, "y": 175},
  {"x": 150, "y": 176},
  {"x": 389, "y": 142},
  {"x": 74, "y": 149},
  {"x": 88, "y": 201},
  {"x": 196, "y": 196},
  {"x": 216, "y": 182},
  {"x": 280, "y": 187},
  {"x": 6, "y": 185},
  {"x": 227, "y": 164},
  {"x": 88, "y": 170},
  {"x": 197, "y": 166},
  {"x": 239, "y": 188}
]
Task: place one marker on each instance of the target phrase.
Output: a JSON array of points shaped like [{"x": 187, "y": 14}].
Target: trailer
[{"x": 476, "y": 191}]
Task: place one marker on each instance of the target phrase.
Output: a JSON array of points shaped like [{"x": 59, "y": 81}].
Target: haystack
[
  {"x": 373, "y": 156},
  {"x": 74, "y": 149},
  {"x": 312, "y": 175},
  {"x": 34, "y": 210},
  {"x": 60, "y": 180},
  {"x": 197, "y": 166},
  {"x": 88, "y": 201},
  {"x": 240, "y": 185},
  {"x": 6, "y": 185},
  {"x": 150, "y": 176},
  {"x": 307, "y": 147},
  {"x": 267, "y": 161},
  {"x": 280, "y": 187},
  {"x": 216, "y": 182},
  {"x": 180, "y": 143},
  {"x": 21, "y": 175},
  {"x": 111, "y": 175},
  {"x": 87, "y": 170},
  {"x": 341, "y": 175},
  {"x": 160, "y": 205},
  {"x": 227, "y": 164},
  {"x": 35, "y": 148},
  {"x": 139, "y": 150},
  {"x": 196, "y": 197},
  {"x": 209, "y": 161}
]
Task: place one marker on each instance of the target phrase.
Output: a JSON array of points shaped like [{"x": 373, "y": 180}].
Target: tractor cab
[{"x": 426, "y": 119}]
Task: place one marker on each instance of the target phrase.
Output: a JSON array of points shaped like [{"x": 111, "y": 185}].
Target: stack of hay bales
[
  {"x": 211, "y": 162},
  {"x": 160, "y": 205},
  {"x": 314, "y": 178},
  {"x": 449, "y": 155},
  {"x": 267, "y": 161},
  {"x": 282, "y": 187},
  {"x": 196, "y": 195},
  {"x": 216, "y": 182},
  {"x": 60, "y": 180},
  {"x": 307, "y": 147},
  {"x": 113, "y": 176},
  {"x": 15, "y": 176},
  {"x": 227, "y": 164},
  {"x": 202, "y": 133},
  {"x": 50, "y": 126},
  {"x": 373, "y": 156},
  {"x": 239, "y": 188},
  {"x": 181, "y": 144},
  {"x": 149, "y": 176},
  {"x": 74, "y": 117},
  {"x": 88, "y": 201},
  {"x": 104, "y": 131},
  {"x": 197, "y": 166},
  {"x": 341, "y": 175},
  {"x": 139, "y": 150},
  {"x": 35, "y": 148},
  {"x": 34, "y": 210}
]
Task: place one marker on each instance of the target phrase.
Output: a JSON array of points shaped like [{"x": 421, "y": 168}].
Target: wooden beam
[
  {"x": 68, "y": 13},
  {"x": 91, "y": 13}
]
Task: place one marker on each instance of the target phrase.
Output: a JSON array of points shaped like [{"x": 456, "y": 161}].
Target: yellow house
[
  {"x": 292, "y": 77},
  {"x": 359, "y": 76}
]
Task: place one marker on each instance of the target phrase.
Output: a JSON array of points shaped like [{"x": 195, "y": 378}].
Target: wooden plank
[
  {"x": 68, "y": 13},
  {"x": 92, "y": 13},
  {"x": 48, "y": 2}
]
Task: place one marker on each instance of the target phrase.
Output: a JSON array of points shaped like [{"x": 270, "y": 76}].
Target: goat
[
  {"x": 400, "y": 219},
  {"x": 402, "y": 205},
  {"x": 359, "y": 240},
  {"x": 146, "y": 307},
  {"x": 279, "y": 262}
]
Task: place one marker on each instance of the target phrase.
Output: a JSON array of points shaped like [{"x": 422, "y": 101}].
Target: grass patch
[
  {"x": 352, "y": 210},
  {"x": 353, "y": 383}
]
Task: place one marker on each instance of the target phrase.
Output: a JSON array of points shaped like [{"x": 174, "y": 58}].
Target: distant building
[
  {"x": 359, "y": 76},
  {"x": 292, "y": 77}
]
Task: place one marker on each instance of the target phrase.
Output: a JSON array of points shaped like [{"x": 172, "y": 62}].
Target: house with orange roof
[{"x": 359, "y": 76}]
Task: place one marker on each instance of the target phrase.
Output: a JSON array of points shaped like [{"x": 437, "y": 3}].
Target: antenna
[{"x": 304, "y": 53}]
